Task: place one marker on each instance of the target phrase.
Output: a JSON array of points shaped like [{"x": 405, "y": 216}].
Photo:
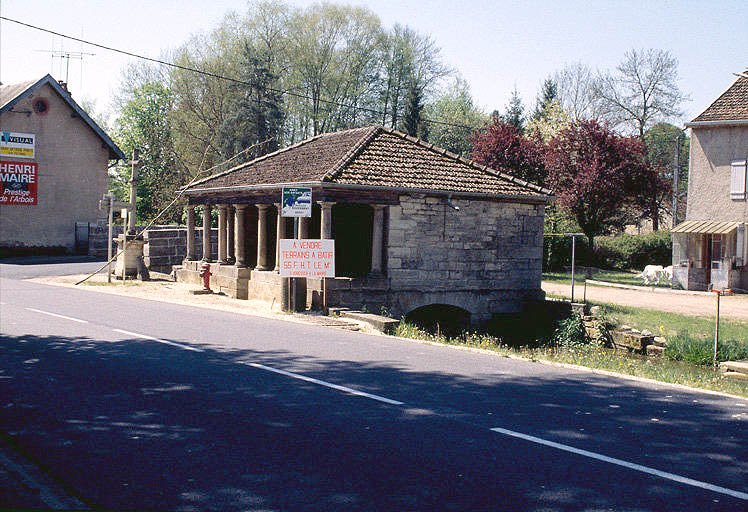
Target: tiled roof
[
  {"x": 372, "y": 156},
  {"x": 731, "y": 106},
  {"x": 9, "y": 92}
]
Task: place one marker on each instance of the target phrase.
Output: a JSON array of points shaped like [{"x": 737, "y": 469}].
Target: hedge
[{"x": 620, "y": 252}]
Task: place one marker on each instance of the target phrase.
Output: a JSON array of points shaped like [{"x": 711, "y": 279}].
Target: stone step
[
  {"x": 734, "y": 366},
  {"x": 655, "y": 350},
  {"x": 378, "y": 322},
  {"x": 736, "y": 375}
]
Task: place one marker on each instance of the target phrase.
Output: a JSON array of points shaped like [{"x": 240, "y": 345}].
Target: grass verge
[
  {"x": 610, "y": 276},
  {"x": 595, "y": 357}
]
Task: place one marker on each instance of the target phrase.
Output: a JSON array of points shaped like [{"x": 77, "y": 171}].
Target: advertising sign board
[
  {"x": 18, "y": 183},
  {"x": 19, "y": 145},
  {"x": 307, "y": 258},
  {"x": 297, "y": 202}
]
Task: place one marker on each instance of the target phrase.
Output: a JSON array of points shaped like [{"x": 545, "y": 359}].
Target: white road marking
[
  {"x": 58, "y": 316},
  {"x": 625, "y": 464},
  {"x": 43, "y": 492},
  {"x": 158, "y": 340},
  {"x": 326, "y": 384}
]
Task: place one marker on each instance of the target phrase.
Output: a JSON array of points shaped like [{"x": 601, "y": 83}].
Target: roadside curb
[{"x": 653, "y": 289}]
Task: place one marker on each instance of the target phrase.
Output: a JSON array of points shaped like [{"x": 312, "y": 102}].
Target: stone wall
[{"x": 485, "y": 257}]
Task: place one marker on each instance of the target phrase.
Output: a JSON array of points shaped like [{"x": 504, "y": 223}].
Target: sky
[{"x": 494, "y": 45}]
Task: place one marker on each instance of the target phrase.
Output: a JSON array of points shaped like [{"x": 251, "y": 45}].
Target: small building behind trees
[{"x": 414, "y": 225}]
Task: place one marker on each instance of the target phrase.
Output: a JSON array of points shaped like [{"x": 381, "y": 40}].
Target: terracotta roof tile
[
  {"x": 731, "y": 106},
  {"x": 376, "y": 157}
]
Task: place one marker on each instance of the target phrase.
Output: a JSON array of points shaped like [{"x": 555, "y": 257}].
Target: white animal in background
[
  {"x": 651, "y": 274},
  {"x": 668, "y": 273}
]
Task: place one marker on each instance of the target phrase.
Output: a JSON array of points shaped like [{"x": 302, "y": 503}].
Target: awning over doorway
[{"x": 706, "y": 227}]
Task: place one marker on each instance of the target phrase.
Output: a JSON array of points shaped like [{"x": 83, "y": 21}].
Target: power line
[{"x": 221, "y": 77}]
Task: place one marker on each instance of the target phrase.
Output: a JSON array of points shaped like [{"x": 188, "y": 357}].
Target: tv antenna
[{"x": 66, "y": 56}]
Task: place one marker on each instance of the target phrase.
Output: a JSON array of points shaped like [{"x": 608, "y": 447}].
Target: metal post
[
  {"x": 295, "y": 280},
  {"x": 110, "y": 198},
  {"x": 573, "y": 251},
  {"x": 716, "y": 329}
]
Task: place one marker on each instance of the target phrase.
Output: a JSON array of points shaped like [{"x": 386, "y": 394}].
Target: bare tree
[
  {"x": 575, "y": 84},
  {"x": 642, "y": 89}
]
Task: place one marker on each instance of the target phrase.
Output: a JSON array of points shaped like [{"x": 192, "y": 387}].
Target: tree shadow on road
[{"x": 138, "y": 425}]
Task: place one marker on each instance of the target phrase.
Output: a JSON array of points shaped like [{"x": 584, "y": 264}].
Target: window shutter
[
  {"x": 740, "y": 245},
  {"x": 737, "y": 180}
]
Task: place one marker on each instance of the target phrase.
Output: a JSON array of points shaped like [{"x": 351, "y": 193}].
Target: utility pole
[{"x": 676, "y": 172}]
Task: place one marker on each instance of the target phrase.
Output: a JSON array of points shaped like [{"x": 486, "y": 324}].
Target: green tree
[
  {"x": 514, "y": 114},
  {"x": 412, "y": 122},
  {"x": 661, "y": 140},
  {"x": 406, "y": 57},
  {"x": 456, "y": 107},
  {"x": 546, "y": 98},
  {"x": 144, "y": 124},
  {"x": 255, "y": 115}
]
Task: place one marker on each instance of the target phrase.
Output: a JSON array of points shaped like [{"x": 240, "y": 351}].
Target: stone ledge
[{"x": 378, "y": 322}]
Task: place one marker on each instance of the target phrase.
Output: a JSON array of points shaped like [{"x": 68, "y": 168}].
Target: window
[{"x": 737, "y": 180}]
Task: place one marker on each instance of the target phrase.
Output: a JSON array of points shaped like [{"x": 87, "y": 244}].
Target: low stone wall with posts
[{"x": 166, "y": 247}]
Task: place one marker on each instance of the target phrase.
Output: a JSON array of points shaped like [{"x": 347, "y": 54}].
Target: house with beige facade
[
  {"x": 709, "y": 248},
  {"x": 413, "y": 225},
  {"x": 53, "y": 167}
]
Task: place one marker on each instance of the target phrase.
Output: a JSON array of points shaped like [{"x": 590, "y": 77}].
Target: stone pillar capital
[
  {"x": 241, "y": 206},
  {"x": 262, "y": 207},
  {"x": 326, "y": 204}
]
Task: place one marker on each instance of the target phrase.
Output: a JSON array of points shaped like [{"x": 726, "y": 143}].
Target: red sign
[{"x": 18, "y": 183}]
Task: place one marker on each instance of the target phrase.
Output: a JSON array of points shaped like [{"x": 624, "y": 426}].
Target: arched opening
[
  {"x": 352, "y": 229},
  {"x": 444, "y": 319}
]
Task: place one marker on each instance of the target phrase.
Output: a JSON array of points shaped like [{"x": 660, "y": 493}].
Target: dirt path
[{"x": 734, "y": 307}]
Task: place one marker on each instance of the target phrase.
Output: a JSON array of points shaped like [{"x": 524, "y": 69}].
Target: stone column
[
  {"x": 239, "y": 234},
  {"x": 206, "y": 232},
  {"x": 279, "y": 232},
  {"x": 326, "y": 220},
  {"x": 262, "y": 240},
  {"x": 190, "y": 233},
  {"x": 377, "y": 238},
  {"x": 304, "y": 227},
  {"x": 222, "y": 234},
  {"x": 230, "y": 228}
]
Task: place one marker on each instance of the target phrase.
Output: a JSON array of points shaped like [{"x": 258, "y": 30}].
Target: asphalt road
[{"x": 142, "y": 405}]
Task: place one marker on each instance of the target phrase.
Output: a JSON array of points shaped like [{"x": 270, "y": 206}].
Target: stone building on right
[{"x": 709, "y": 247}]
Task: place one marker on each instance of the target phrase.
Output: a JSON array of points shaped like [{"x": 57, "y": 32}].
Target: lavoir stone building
[{"x": 413, "y": 224}]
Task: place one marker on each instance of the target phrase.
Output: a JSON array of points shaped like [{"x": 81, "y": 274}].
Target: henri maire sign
[
  {"x": 19, "y": 145},
  {"x": 18, "y": 183}
]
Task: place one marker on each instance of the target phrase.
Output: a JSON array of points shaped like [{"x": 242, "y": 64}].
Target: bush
[
  {"x": 570, "y": 333},
  {"x": 685, "y": 347},
  {"x": 557, "y": 253},
  {"x": 624, "y": 252}
]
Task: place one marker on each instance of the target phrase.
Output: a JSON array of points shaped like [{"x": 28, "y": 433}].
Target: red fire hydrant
[{"x": 205, "y": 274}]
